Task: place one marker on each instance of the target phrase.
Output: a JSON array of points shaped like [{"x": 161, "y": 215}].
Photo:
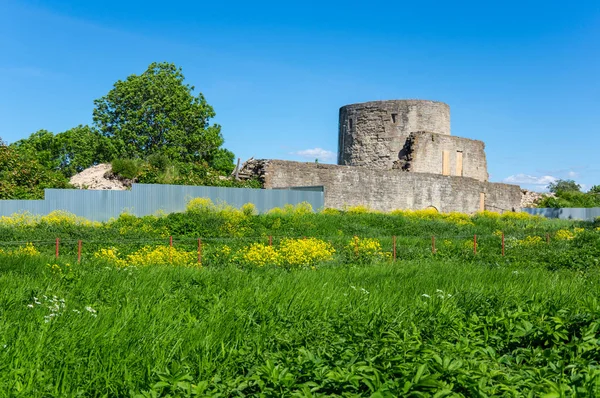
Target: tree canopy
[
  {"x": 68, "y": 152},
  {"x": 24, "y": 178},
  {"x": 156, "y": 112},
  {"x": 568, "y": 194},
  {"x": 152, "y": 125},
  {"x": 564, "y": 186}
]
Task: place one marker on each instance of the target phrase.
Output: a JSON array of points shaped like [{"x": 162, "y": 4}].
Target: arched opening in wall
[
  {"x": 350, "y": 123},
  {"x": 431, "y": 207}
]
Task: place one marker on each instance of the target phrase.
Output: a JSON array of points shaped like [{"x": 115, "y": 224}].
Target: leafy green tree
[
  {"x": 38, "y": 146},
  {"x": 22, "y": 177},
  {"x": 156, "y": 112},
  {"x": 68, "y": 152},
  {"x": 222, "y": 160},
  {"x": 564, "y": 186},
  {"x": 595, "y": 190},
  {"x": 81, "y": 147}
]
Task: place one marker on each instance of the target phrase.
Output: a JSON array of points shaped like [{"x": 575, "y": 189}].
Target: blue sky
[{"x": 523, "y": 76}]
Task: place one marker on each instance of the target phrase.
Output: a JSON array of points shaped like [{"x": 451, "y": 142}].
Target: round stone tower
[{"x": 373, "y": 133}]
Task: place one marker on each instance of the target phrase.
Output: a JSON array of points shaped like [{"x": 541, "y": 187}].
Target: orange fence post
[
  {"x": 57, "y": 247},
  {"x": 394, "y": 245},
  {"x": 199, "y": 251},
  {"x": 548, "y": 238},
  {"x": 474, "y": 244},
  {"x": 502, "y": 244},
  {"x": 79, "y": 251},
  {"x": 356, "y": 245},
  {"x": 270, "y": 240},
  {"x": 433, "y": 244}
]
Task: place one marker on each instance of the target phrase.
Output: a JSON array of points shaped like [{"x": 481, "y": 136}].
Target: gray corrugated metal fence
[
  {"x": 147, "y": 199},
  {"x": 567, "y": 213}
]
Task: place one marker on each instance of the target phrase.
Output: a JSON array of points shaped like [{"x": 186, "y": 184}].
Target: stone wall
[
  {"x": 373, "y": 133},
  {"x": 423, "y": 153},
  {"x": 387, "y": 190}
]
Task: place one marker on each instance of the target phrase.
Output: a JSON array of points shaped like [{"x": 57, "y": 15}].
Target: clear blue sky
[{"x": 523, "y": 76}]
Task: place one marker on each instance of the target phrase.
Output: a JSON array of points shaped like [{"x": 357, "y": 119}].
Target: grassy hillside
[
  {"x": 418, "y": 328},
  {"x": 294, "y": 303},
  {"x": 227, "y": 233}
]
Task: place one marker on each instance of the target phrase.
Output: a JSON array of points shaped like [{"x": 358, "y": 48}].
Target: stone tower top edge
[{"x": 409, "y": 101}]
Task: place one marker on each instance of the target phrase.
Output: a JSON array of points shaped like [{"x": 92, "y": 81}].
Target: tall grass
[{"x": 419, "y": 327}]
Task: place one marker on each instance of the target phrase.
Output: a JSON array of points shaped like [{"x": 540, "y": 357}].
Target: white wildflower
[
  {"x": 30, "y": 305},
  {"x": 426, "y": 295}
]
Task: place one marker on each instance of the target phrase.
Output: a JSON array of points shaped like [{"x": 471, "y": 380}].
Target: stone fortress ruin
[{"x": 396, "y": 154}]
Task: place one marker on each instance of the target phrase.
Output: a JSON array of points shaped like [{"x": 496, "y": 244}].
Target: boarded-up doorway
[
  {"x": 446, "y": 163},
  {"x": 459, "y": 163}
]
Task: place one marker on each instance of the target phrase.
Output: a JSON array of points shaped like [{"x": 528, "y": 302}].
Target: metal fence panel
[
  {"x": 148, "y": 199},
  {"x": 588, "y": 214}
]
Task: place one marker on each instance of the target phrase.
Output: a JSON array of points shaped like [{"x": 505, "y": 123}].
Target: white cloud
[
  {"x": 572, "y": 174},
  {"x": 316, "y": 153},
  {"x": 526, "y": 179}
]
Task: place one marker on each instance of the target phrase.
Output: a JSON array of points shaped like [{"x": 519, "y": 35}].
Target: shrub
[
  {"x": 148, "y": 255},
  {"x": 298, "y": 253},
  {"x": 364, "y": 251},
  {"x": 127, "y": 168},
  {"x": 259, "y": 255},
  {"x": 200, "y": 205}
]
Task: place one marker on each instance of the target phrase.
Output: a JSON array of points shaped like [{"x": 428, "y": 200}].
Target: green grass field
[
  {"x": 453, "y": 323},
  {"x": 415, "y": 328}
]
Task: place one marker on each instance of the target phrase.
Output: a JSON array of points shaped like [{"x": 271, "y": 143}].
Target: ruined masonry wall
[
  {"x": 427, "y": 149},
  {"x": 373, "y": 133},
  {"x": 387, "y": 190}
]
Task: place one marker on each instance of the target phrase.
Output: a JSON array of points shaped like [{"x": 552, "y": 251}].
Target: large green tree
[
  {"x": 22, "y": 177},
  {"x": 564, "y": 186},
  {"x": 81, "y": 147},
  {"x": 38, "y": 146},
  {"x": 157, "y": 113},
  {"x": 68, "y": 152}
]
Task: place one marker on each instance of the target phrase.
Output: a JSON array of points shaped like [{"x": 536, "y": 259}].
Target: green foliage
[
  {"x": 222, "y": 160},
  {"x": 571, "y": 199},
  {"x": 127, "y": 168},
  {"x": 39, "y": 146},
  {"x": 156, "y": 112},
  {"x": 420, "y": 328},
  {"x": 595, "y": 190},
  {"x": 159, "y": 161},
  {"x": 153, "y": 118},
  {"x": 24, "y": 178},
  {"x": 192, "y": 173},
  {"x": 453, "y": 323},
  {"x": 69, "y": 152},
  {"x": 81, "y": 147},
  {"x": 564, "y": 186}
]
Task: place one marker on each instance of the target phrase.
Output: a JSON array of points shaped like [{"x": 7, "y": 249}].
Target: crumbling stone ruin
[{"x": 396, "y": 154}]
